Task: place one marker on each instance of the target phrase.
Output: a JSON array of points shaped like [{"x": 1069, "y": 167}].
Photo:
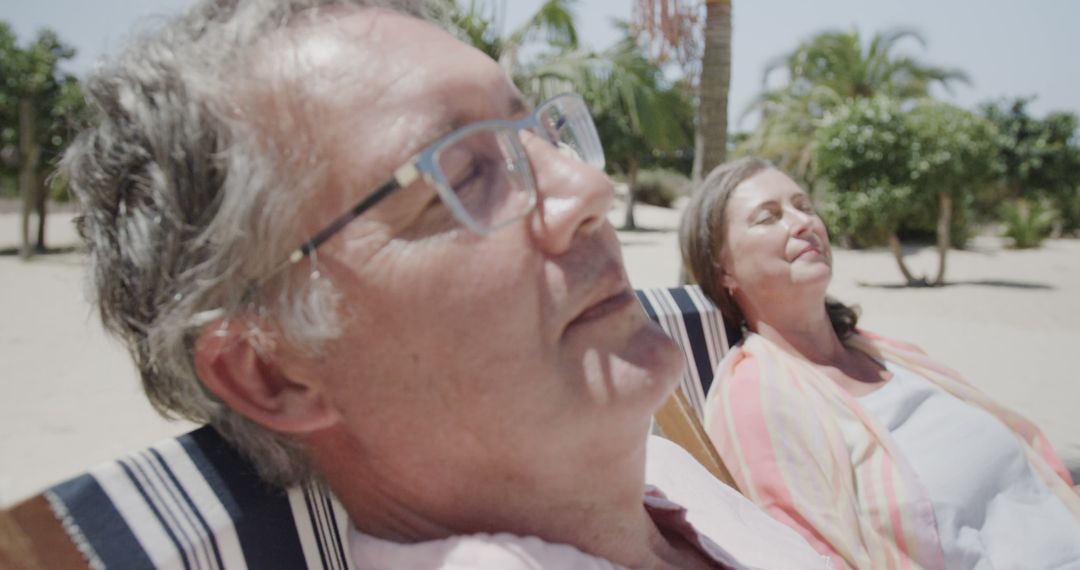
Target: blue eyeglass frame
[{"x": 425, "y": 165}]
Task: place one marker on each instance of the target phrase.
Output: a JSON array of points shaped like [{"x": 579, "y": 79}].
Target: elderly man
[{"x": 344, "y": 238}]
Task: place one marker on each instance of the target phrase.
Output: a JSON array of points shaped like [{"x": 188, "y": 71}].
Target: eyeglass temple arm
[{"x": 403, "y": 176}]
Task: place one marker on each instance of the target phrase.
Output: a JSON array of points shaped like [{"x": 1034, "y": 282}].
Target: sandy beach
[{"x": 1007, "y": 321}]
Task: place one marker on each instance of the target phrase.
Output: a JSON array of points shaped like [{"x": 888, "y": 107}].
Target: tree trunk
[
  {"x": 715, "y": 83},
  {"x": 696, "y": 175},
  {"x": 41, "y": 208},
  {"x": 29, "y": 152},
  {"x": 943, "y": 239},
  {"x": 898, "y": 254},
  {"x": 631, "y": 198}
]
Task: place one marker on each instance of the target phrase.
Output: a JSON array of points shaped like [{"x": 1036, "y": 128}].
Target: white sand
[{"x": 1009, "y": 323}]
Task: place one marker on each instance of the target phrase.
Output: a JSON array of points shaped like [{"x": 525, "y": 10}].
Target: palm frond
[{"x": 553, "y": 21}]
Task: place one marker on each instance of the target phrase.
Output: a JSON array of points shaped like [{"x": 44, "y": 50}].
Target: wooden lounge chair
[{"x": 194, "y": 502}]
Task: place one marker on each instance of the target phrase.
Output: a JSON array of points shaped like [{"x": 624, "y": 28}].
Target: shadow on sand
[
  {"x": 14, "y": 251},
  {"x": 998, "y": 283},
  {"x": 644, "y": 230}
]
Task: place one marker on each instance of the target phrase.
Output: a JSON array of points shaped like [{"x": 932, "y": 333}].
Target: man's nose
[{"x": 573, "y": 197}]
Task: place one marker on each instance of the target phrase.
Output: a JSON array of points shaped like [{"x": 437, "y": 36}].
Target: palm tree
[
  {"x": 637, "y": 114},
  {"x": 826, "y": 71},
  {"x": 715, "y": 84},
  {"x": 671, "y": 32},
  {"x": 478, "y": 25}
]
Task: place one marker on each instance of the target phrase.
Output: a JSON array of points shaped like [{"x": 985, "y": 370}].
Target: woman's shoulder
[
  {"x": 750, "y": 370},
  {"x": 738, "y": 365},
  {"x": 745, "y": 362}
]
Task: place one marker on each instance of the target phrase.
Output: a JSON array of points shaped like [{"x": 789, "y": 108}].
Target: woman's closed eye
[
  {"x": 764, "y": 216},
  {"x": 804, "y": 205}
]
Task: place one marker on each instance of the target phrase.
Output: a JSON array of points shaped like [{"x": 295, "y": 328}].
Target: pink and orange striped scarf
[{"x": 804, "y": 449}]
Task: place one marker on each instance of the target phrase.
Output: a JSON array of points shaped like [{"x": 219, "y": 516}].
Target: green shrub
[
  {"x": 861, "y": 154},
  {"x": 855, "y": 218},
  {"x": 921, "y": 225},
  {"x": 8, "y": 187},
  {"x": 1028, "y": 222},
  {"x": 661, "y": 187}
]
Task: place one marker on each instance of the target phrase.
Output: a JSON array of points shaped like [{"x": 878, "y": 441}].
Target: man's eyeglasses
[{"x": 481, "y": 171}]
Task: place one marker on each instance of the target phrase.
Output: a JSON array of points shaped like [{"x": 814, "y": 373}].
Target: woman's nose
[
  {"x": 796, "y": 221},
  {"x": 572, "y": 196}
]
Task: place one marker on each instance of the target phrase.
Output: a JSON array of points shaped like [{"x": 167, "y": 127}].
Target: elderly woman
[{"x": 876, "y": 454}]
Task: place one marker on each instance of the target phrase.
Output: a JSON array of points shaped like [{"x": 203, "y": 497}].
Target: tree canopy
[
  {"x": 827, "y": 71},
  {"x": 40, "y": 107},
  {"x": 640, "y": 116},
  {"x": 885, "y": 166},
  {"x": 1040, "y": 158}
]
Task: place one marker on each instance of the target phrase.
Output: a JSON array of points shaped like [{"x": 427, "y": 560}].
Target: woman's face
[{"x": 774, "y": 241}]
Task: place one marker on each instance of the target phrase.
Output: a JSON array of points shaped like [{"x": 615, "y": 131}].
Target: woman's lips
[{"x": 810, "y": 249}]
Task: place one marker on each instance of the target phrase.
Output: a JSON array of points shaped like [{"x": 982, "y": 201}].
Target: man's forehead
[
  {"x": 366, "y": 56},
  {"x": 371, "y": 87},
  {"x": 348, "y": 45}
]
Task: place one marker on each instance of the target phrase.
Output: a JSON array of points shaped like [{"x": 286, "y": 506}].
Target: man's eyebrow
[{"x": 516, "y": 107}]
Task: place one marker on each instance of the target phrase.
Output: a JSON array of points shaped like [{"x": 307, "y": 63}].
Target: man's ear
[{"x": 250, "y": 382}]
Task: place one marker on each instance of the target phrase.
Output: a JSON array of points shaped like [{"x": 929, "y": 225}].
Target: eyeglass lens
[
  {"x": 488, "y": 171},
  {"x": 568, "y": 123}
]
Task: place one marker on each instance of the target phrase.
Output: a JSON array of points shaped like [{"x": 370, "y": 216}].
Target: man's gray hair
[{"x": 186, "y": 203}]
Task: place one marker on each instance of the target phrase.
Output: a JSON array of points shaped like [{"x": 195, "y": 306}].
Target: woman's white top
[{"x": 992, "y": 509}]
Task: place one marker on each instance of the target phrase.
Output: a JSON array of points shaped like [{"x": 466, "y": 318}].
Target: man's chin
[{"x": 653, "y": 364}]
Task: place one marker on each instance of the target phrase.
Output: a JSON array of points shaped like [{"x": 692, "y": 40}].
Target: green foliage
[
  {"x": 866, "y": 217},
  {"x": 661, "y": 186},
  {"x": 642, "y": 119},
  {"x": 1040, "y": 157},
  {"x": 883, "y": 167},
  {"x": 552, "y": 24},
  {"x": 32, "y": 73},
  {"x": 952, "y": 150},
  {"x": 864, "y": 143},
  {"x": 1028, "y": 222},
  {"x": 837, "y": 61},
  {"x": 921, "y": 225},
  {"x": 638, "y": 115},
  {"x": 476, "y": 26},
  {"x": 828, "y": 71},
  {"x": 1035, "y": 152},
  {"x": 862, "y": 152},
  {"x": 9, "y": 104},
  {"x": 1068, "y": 205}
]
